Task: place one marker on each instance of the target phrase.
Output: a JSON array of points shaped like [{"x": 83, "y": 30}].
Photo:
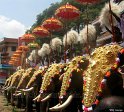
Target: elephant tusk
[
  {"x": 61, "y": 77},
  {"x": 64, "y": 105},
  {"x": 18, "y": 91},
  {"x": 35, "y": 99},
  {"x": 28, "y": 90},
  {"x": 19, "y": 94},
  {"x": 8, "y": 88},
  {"x": 46, "y": 98}
]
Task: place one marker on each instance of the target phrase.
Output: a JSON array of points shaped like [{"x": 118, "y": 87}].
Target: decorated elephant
[
  {"x": 33, "y": 87},
  {"x": 71, "y": 93},
  {"x": 11, "y": 84},
  {"x": 99, "y": 70},
  {"x": 51, "y": 85},
  {"x": 100, "y": 61},
  {"x": 21, "y": 99},
  {"x": 15, "y": 80}
]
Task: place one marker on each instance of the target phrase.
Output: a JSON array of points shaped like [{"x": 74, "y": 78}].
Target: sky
[{"x": 16, "y": 16}]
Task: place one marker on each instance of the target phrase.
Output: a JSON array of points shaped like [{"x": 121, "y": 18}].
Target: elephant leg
[
  {"x": 23, "y": 98},
  {"x": 12, "y": 99},
  {"x": 37, "y": 106},
  {"x": 43, "y": 107},
  {"x": 9, "y": 97},
  {"x": 29, "y": 102},
  {"x": 5, "y": 93},
  {"x": 19, "y": 101}
]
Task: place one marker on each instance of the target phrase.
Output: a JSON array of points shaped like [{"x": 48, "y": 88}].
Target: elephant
[
  {"x": 15, "y": 80},
  {"x": 7, "y": 84},
  {"x": 100, "y": 61},
  {"x": 98, "y": 79},
  {"x": 25, "y": 78},
  {"x": 71, "y": 93},
  {"x": 33, "y": 87},
  {"x": 8, "y": 89},
  {"x": 51, "y": 85},
  {"x": 21, "y": 98}
]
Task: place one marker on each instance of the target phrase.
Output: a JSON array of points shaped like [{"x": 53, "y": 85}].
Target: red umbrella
[
  {"x": 23, "y": 48},
  {"x": 18, "y": 52},
  {"x": 67, "y": 12},
  {"x": 87, "y": 1},
  {"x": 16, "y": 55},
  {"x": 27, "y": 38},
  {"x": 52, "y": 24},
  {"x": 41, "y": 32}
]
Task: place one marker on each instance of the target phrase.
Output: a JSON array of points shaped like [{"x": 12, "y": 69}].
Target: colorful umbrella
[
  {"x": 23, "y": 48},
  {"x": 27, "y": 38},
  {"x": 87, "y": 1},
  {"x": 16, "y": 55},
  {"x": 41, "y": 32},
  {"x": 52, "y": 24},
  {"x": 33, "y": 45},
  {"x": 18, "y": 52},
  {"x": 67, "y": 12}
]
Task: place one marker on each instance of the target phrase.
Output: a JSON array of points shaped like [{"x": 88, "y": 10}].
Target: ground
[{"x": 4, "y": 107}]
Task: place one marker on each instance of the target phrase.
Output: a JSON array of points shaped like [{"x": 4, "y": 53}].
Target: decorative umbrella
[
  {"x": 41, "y": 32},
  {"x": 16, "y": 55},
  {"x": 18, "y": 52},
  {"x": 27, "y": 38},
  {"x": 23, "y": 48},
  {"x": 11, "y": 63},
  {"x": 33, "y": 45},
  {"x": 23, "y": 57},
  {"x": 67, "y": 13},
  {"x": 87, "y": 1},
  {"x": 52, "y": 24}
]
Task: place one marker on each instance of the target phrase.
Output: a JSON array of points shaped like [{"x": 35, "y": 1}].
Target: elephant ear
[{"x": 102, "y": 59}]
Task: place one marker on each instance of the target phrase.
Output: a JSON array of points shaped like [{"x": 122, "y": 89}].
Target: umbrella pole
[
  {"x": 49, "y": 57},
  {"x": 87, "y": 22},
  {"x": 111, "y": 22},
  {"x": 65, "y": 56}
]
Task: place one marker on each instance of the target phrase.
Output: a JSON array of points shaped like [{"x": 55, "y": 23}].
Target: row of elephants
[{"x": 76, "y": 86}]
